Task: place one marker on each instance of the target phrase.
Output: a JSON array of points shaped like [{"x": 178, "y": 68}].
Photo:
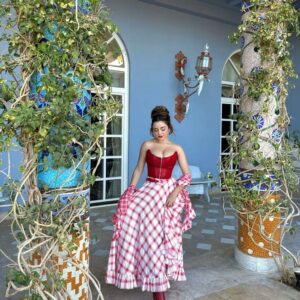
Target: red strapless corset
[{"x": 160, "y": 167}]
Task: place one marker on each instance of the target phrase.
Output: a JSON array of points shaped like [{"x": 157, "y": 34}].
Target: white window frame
[
  {"x": 124, "y": 93},
  {"x": 227, "y": 100}
]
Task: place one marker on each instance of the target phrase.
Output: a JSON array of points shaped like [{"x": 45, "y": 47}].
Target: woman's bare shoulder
[
  {"x": 178, "y": 148},
  {"x": 147, "y": 144}
]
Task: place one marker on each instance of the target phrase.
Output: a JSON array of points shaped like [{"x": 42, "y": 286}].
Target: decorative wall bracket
[{"x": 190, "y": 86}]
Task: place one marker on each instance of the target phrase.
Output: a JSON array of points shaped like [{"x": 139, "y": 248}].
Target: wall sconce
[{"x": 203, "y": 67}]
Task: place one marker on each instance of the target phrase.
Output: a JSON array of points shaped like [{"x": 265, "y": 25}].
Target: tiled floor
[{"x": 208, "y": 247}]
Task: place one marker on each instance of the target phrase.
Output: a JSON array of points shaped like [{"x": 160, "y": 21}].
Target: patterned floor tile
[
  {"x": 109, "y": 227},
  {"x": 199, "y": 205},
  {"x": 101, "y": 252},
  {"x": 94, "y": 214},
  {"x": 94, "y": 241},
  {"x": 187, "y": 236},
  {"x": 209, "y": 220},
  {"x": 228, "y": 227},
  {"x": 227, "y": 241},
  {"x": 203, "y": 246},
  {"x": 230, "y": 217},
  {"x": 207, "y": 231},
  {"x": 213, "y": 211},
  {"x": 100, "y": 220}
]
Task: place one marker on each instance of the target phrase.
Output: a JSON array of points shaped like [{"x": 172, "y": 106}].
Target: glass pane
[
  {"x": 234, "y": 166},
  {"x": 115, "y": 126},
  {"x": 113, "y": 167},
  {"x": 99, "y": 172},
  {"x": 237, "y": 91},
  {"x": 224, "y": 161},
  {"x": 94, "y": 151},
  {"x": 119, "y": 99},
  {"x": 118, "y": 78},
  {"x": 229, "y": 73},
  {"x": 225, "y": 127},
  {"x": 225, "y": 146},
  {"x": 227, "y": 91},
  {"x": 235, "y": 108},
  {"x": 113, "y": 146},
  {"x": 97, "y": 191},
  {"x": 236, "y": 60},
  {"x": 113, "y": 188},
  {"x": 114, "y": 55},
  {"x": 95, "y": 100},
  {"x": 234, "y": 126},
  {"x": 226, "y": 111}
]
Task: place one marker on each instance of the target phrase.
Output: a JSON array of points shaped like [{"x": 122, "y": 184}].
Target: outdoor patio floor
[{"x": 212, "y": 273}]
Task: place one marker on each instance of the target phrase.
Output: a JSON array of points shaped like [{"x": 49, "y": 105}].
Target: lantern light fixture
[{"x": 190, "y": 86}]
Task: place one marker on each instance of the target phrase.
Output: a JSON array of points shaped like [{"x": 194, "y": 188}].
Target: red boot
[{"x": 159, "y": 296}]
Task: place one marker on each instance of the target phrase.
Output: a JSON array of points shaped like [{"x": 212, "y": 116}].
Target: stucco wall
[
  {"x": 153, "y": 32},
  {"x": 293, "y": 99}
]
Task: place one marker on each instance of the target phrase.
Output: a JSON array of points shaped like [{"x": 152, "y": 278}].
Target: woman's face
[{"x": 160, "y": 130}]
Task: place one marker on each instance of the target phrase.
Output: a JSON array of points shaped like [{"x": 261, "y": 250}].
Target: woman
[{"x": 146, "y": 247}]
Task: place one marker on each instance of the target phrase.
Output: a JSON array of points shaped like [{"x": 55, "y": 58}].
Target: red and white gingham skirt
[{"x": 147, "y": 249}]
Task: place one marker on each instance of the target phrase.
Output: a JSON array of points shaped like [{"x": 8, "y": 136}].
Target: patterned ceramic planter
[
  {"x": 259, "y": 239},
  {"x": 71, "y": 265},
  {"x": 61, "y": 177},
  {"x": 47, "y": 175}
]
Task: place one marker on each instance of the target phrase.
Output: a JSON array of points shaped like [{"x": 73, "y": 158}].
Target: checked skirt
[{"x": 146, "y": 248}]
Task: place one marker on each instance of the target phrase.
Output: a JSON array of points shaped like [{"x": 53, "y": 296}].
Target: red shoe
[{"x": 159, "y": 296}]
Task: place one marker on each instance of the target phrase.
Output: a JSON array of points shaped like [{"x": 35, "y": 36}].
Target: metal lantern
[
  {"x": 190, "y": 86},
  {"x": 204, "y": 62}
]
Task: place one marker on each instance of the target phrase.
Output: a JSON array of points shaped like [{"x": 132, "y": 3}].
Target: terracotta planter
[{"x": 259, "y": 235}]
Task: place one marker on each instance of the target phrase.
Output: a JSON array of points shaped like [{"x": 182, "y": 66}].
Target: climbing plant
[
  {"x": 54, "y": 80},
  {"x": 263, "y": 183}
]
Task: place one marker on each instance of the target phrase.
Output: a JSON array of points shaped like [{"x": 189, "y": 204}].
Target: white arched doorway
[
  {"x": 113, "y": 169},
  {"x": 230, "y": 94}
]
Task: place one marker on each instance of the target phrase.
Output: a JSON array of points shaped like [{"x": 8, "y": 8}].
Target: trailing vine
[
  {"x": 54, "y": 80},
  {"x": 258, "y": 146}
]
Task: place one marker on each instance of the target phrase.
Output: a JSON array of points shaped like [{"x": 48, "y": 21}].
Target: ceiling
[{"x": 235, "y": 4}]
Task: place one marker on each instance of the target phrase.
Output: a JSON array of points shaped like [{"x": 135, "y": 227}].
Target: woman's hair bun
[{"x": 160, "y": 112}]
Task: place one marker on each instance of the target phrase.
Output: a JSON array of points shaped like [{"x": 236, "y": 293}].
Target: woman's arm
[
  {"x": 140, "y": 165},
  {"x": 183, "y": 164}
]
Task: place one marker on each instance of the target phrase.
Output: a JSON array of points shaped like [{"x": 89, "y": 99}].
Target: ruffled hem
[
  {"x": 126, "y": 281},
  {"x": 149, "y": 284},
  {"x": 176, "y": 273}
]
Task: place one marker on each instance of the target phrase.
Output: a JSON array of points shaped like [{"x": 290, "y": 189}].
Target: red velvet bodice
[{"x": 160, "y": 167}]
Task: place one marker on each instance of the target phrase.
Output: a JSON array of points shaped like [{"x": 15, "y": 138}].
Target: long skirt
[{"x": 146, "y": 249}]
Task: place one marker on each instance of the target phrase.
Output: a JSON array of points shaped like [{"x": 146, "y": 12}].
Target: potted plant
[
  {"x": 261, "y": 187},
  {"x": 63, "y": 44}
]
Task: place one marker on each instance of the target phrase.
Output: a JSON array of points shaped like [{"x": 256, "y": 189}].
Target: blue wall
[
  {"x": 153, "y": 32},
  {"x": 15, "y": 154},
  {"x": 293, "y": 99}
]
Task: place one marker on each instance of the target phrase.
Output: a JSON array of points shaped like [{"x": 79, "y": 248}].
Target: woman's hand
[{"x": 171, "y": 199}]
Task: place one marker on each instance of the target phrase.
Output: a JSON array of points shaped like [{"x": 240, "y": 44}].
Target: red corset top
[{"x": 160, "y": 167}]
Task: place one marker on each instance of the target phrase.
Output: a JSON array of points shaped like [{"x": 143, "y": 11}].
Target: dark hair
[{"x": 161, "y": 113}]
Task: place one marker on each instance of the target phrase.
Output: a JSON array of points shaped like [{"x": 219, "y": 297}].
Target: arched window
[
  {"x": 229, "y": 103},
  {"x": 112, "y": 172}
]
